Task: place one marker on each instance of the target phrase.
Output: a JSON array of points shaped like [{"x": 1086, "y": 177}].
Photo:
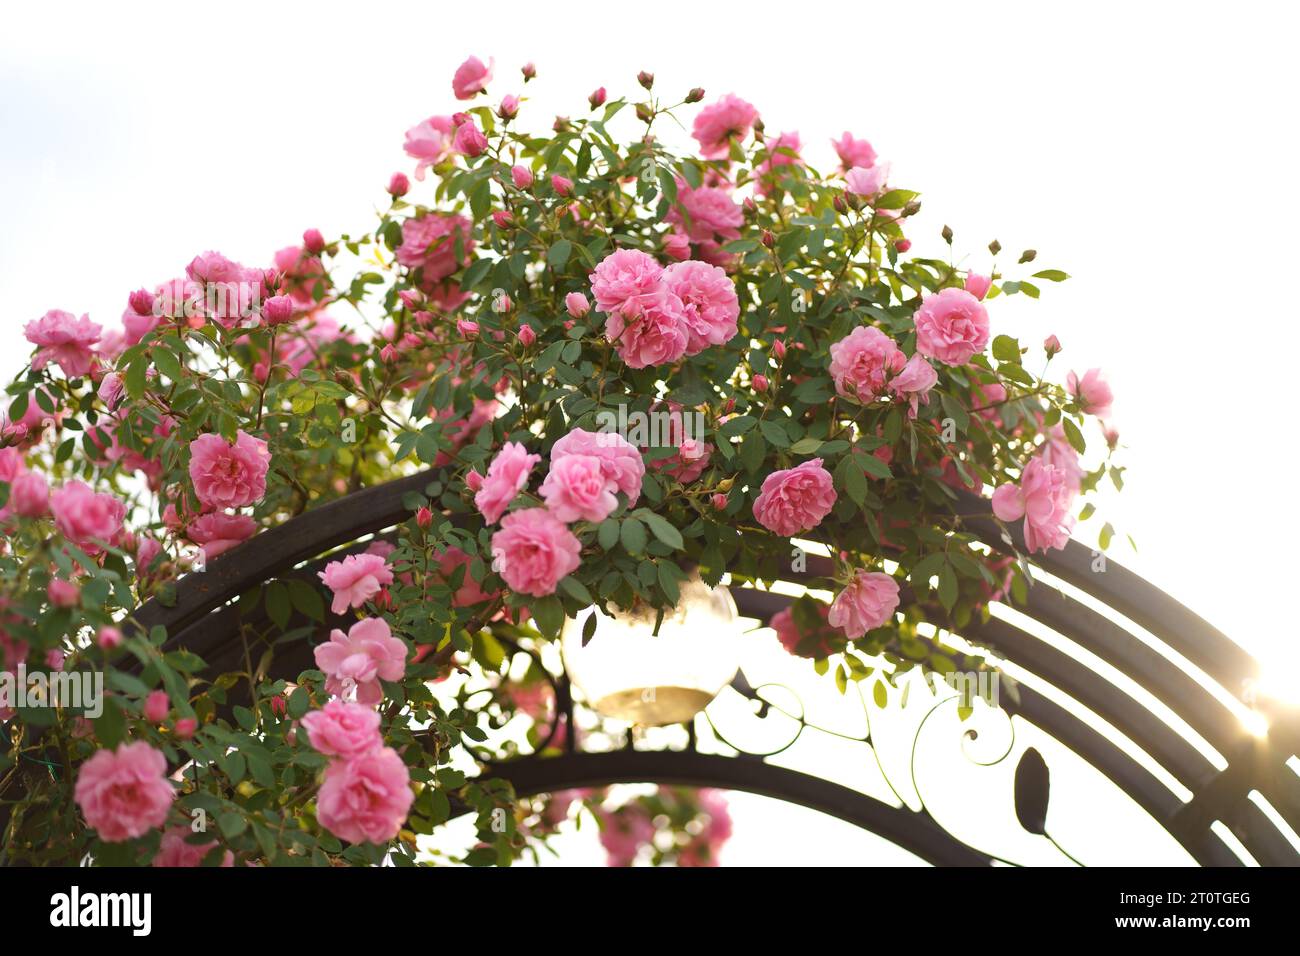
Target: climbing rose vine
[{"x": 618, "y": 367}]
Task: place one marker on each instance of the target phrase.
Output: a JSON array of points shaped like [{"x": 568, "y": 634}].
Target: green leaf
[
  {"x": 167, "y": 363},
  {"x": 880, "y": 695},
  {"x": 1074, "y": 435},
  {"x": 1052, "y": 275},
  {"x": 662, "y": 529},
  {"x": 577, "y": 590},
  {"x": 279, "y": 606},
  {"x": 1006, "y": 349},
  {"x": 607, "y": 534},
  {"x": 633, "y": 535},
  {"x": 558, "y": 254},
  {"x": 548, "y": 613}
]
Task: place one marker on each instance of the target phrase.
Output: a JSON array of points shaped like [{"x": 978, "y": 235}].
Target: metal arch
[
  {"x": 190, "y": 621},
  {"x": 915, "y": 832}
]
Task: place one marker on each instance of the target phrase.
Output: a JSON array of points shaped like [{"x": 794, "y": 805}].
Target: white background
[{"x": 1147, "y": 149}]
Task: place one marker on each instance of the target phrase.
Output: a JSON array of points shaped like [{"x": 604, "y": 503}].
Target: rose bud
[
  {"x": 526, "y": 335},
  {"x": 978, "y": 285},
  {"x": 562, "y": 184},
  {"x": 646, "y": 79},
  {"x": 778, "y": 349},
  {"x": 185, "y": 727},
  {"x": 522, "y": 176},
  {"x": 424, "y": 517},
  {"x": 509, "y": 107},
  {"x": 719, "y": 501},
  {"x": 473, "y": 480},
  {"x": 54, "y": 659},
  {"x": 576, "y": 304},
  {"x": 760, "y": 383},
  {"x": 528, "y": 70},
  {"x": 503, "y": 303},
  {"x": 63, "y": 593},
  {"x": 313, "y": 241},
  {"x": 109, "y": 638},
  {"x": 1051, "y": 345},
  {"x": 503, "y": 219},
  {"x": 769, "y": 240},
  {"x": 399, "y": 185},
  {"x": 677, "y": 246},
  {"x": 156, "y": 706},
  {"x": 470, "y": 139},
  {"x": 695, "y": 95},
  {"x": 141, "y": 302},
  {"x": 279, "y": 706},
  {"x": 643, "y": 113},
  {"x": 902, "y": 245},
  {"x": 467, "y": 328},
  {"x": 389, "y": 353},
  {"x": 597, "y": 98}
]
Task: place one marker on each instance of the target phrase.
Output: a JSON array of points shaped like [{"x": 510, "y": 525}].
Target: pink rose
[
  {"x": 795, "y": 500},
  {"x": 623, "y": 279},
  {"x": 713, "y": 215},
  {"x": 693, "y": 453},
  {"x": 175, "y": 850},
  {"x": 620, "y": 461},
  {"x": 109, "y": 638},
  {"x": 359, "y": 659},
  {"x": 1043, "y": 498},
  {"x": 84, "y": 517},
  {"x": 656, "y": 333},
  {"x": 561, "y": 184},
  {"x": 355, "y": 580},
  {"x": 430, "y": 142},
  {"x": 29, "y": 495},
  {"x": 863, "y": 361},
  {"x": 429, "y": 244},
  {"x": 366, "y": 798},
  {"x": 818, "y": 643},
  {"x": 506, "y": 477},
  {"x": 123, "y": 794},
  {"x": 854, "y": 152},
  {"x": 866, "y": 182},
  {"x": 709, "y": 303},
  {"x": 718, "y": 122},
  {"x": 533, "y": 551},
  {"x": 576, "y": 489},
  {"x": 783, "y": 150},
  {"x": 914, "y": 382},
  {"x": 64, "y": 339},
  {"x": 677, "y": 246},
  {"x": 866, "y": 603},
  {"x": 226, "y": 475},
  {"x": 343, "y": 729},
  {"x": 470, "y": 139},
  {"x": 217, "y": 532},
  {"x": 1058, "y": 452},
  {"x": 471, "y": 77},
  {"x": 1092, "y": 392},
  {"x": 951, "y": 326},
  {"x": 521, "y": 176}
]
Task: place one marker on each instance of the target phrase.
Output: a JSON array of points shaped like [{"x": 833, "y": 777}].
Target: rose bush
[{"x": 782, "y": 373}]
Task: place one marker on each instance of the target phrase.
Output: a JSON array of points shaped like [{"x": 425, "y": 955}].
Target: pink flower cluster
[
  {"x": 65, "y": 340},
  {"x": 366, "y": 794},
  {"x": 534, "y": 549},
  {"x": 657, "y": 316},
  {"x": 866, "y": 364}
]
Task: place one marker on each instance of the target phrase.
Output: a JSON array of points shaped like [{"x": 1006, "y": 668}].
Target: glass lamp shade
[{"x": 628, "y": 672}]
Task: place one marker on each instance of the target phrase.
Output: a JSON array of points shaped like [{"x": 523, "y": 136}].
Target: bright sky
[{"x": 1145, "y": 149}]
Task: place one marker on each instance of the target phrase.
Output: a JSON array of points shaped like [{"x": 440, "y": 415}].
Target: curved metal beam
[{"x": 915, "y": 832}]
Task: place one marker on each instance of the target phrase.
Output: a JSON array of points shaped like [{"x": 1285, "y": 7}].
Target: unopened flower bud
[
  {"x": 509, "y": 107},
  {"x": 726, "y": 483},
  {"x": 576, "y": 304},
  {"x": 760, "y": 383},
  {"x": 467, "y": 327},
  {"x": 978, "y": 285},
  {"x": 473, "y": 480},
  {"x": 313, "y": 241},
  {"x": 399, "y": 185},
  {"x": 562, "y": 184},
  {"x": 277, "y": 310},
  {"x": 646, "y": 79},
  {"x": 424, "y": 517},
  {"x": 156, "y": 706},
  {"x": 528, "y": 70},
  {"x": 947, "y": 234},
  {"x": 912, "y": 208},
  {"x": 840, "y": 205},
  {"x": 109, "y": 638},
  {"x": 502, "y": 218},
  {"x": 185, "y": 727},
  {"x": 643, "y": 113},
  {"x": 695, "y": 95},
  {"x": 522, "y": 176},
  {"x": 778, "y": 349},
  {"x": 1051, "y": 345},
  {"x": 141, "y": 302},
  {"x": 526, "y": 335},
  {"x": 597, "y": 98},
  {"x": 719, "y": 501},
  {"x": 902, "y": 245},
  {"x": 769, "y": 240},
  {"x": 1029, "y": 255},
  {"x": 995, "y": 247}
]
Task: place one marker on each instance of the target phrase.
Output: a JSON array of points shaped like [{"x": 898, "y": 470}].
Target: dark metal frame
[{"x": 200, "y": 618}]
